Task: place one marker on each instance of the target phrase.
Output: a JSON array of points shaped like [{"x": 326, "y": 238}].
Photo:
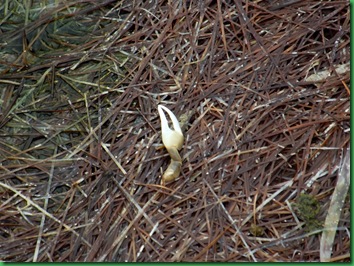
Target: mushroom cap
[{"x": 170, "y": 137}]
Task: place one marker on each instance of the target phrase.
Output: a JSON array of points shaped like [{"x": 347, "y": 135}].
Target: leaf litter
[{"x": 263, "y": 90}]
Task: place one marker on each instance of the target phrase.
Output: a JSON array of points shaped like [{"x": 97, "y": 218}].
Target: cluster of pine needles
[{"x": 264, "y": 90}]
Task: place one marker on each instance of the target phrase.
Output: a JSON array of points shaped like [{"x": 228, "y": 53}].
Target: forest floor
[{"x": 264, "y": 90}]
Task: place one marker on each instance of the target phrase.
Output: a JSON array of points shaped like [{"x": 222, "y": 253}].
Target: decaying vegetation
[{"x": 262, "y": 87}]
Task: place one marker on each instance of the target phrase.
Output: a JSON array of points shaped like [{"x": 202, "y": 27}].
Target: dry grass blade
[{"x": 335, "y": 209}]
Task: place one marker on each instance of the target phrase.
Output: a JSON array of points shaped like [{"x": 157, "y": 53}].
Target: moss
[
  {"x": 308, "y": 208},
  {"x": 256, "y": 230}
]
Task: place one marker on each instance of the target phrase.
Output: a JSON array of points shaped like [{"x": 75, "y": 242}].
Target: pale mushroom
[{"x": 172, "y": 140}]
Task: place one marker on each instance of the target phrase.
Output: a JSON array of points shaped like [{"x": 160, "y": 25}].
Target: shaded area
[{"x": 262, "y": 88}]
